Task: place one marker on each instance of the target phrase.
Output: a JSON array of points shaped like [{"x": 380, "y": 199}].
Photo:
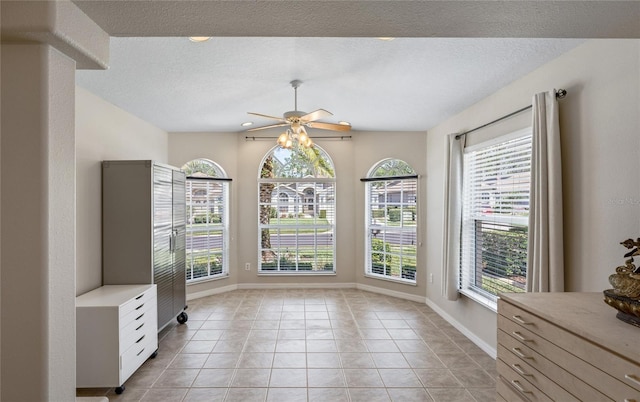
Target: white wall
[
  {"x": 241, "y": 159},
  {"x": 601, "y": 158},
  {"x": 369, "y": 149},
  {"x": 222, "y": 149},
  {"x": 600, "y": 126},
  {"x": 103, "y": 132},
  {"x": 352, "y": 159},
  {"x": 38, "y": 227}
]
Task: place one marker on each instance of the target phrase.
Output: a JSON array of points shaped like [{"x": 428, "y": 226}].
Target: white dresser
[
  {"x": 565, "y": 347},
  {"x": 116, "y": 331}
]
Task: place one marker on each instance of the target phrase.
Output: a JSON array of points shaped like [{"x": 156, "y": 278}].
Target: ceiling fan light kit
[
  {"x": 297, "y": 120},
  {"x": 289, "y": 137}
]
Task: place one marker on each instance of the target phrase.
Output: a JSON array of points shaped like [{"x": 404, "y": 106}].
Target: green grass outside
[
  {"x": 389, "y": 223},
  {"x": 201, "y": 229},
  {"x": 299, "y": 222},
  {"x": 495, "y": 285}
]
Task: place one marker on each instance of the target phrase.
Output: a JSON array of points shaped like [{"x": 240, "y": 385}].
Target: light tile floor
[{"x": 329, "y": 345}]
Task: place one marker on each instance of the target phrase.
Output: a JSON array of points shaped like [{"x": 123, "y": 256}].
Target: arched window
[
  {"x": 297, "y": 209},
  {"x": 391, "y": 221},
  {"x": 207, "y": 200}
]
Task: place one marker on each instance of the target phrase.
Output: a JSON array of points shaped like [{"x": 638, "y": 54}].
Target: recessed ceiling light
[
  {"x": 199, "y": 38},
  {"x": 386, "y": 39},
  {"x": 344, "y": 123},
  {"x": 247, "y": 124}
]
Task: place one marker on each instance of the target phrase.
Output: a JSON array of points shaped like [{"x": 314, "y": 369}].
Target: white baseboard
[
  {"x": 464, "y": 330},
  {"x": 347, "y": 285},
  {"x": 210, "y": 292},
  {"x": 393, "y": 293}
]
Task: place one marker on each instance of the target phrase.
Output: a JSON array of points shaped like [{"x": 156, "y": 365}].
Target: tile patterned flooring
[{"x": 328, "y": 345}]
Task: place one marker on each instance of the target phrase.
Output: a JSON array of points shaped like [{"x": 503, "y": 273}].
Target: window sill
[
  {"x": 208, "y": 279},
  {"x": 480, "y": 299},
  {"x": 297, "y": 273},
  {"x": 391, "y": 279}
]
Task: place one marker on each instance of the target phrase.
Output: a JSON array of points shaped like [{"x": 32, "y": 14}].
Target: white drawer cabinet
[
  {"x": 565, "y": 347},
  {"x": 116, "y": 331}
]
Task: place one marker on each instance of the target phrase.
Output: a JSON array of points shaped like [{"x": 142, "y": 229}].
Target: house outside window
[
  {"x": 283, "y": 204},
  {"x": 297, "y": 210},
  {"x": 391, "y": 221},
  {"x": 207, "y": 240},
  {"x": 495, "y": 215}
]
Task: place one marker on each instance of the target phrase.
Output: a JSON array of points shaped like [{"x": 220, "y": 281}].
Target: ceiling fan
[{"x": 298, "y": 120}]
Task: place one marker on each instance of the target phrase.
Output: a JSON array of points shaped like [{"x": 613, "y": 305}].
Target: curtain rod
[
  {"x": 560, "y": 93},
  {"x": 337, "y": 138},
  {"x": 390, "y": 178},
  {"x": 209, "y": 178}
]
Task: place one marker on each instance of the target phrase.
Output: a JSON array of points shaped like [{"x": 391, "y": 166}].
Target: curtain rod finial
[{"x": 561, "y": 93}]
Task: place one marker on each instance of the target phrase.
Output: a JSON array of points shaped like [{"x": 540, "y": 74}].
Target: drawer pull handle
[
  {"x": 633, "y": 378},
  {"x": 521, "y": 321},
  {"x": 629, "y": 400},
  {"x": 516, "y": 384},
  {"x": 140, "y": 316},
  {"x": 521, "y": 355},
  {"x": 140, "y": 352},
  {"x": 140, "y": 297},
  {"x": 141, "y": 325},
  {"x": 519, "y": 369},
  {"x": 519, "y": 336},
  {"x": 138, "y": 341},
  {"x": 140, "y": 306}
]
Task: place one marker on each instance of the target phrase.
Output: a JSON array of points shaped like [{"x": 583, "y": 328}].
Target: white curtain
[
  {"x": 452, "y": 216},
  {"x": 545, "y": 264}
]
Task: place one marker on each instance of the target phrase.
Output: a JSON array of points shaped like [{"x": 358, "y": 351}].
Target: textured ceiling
[
  {"x": 367, "y": 18},
  {"x": 408, "y": 84},
  {"x": 440, "y": 63}
]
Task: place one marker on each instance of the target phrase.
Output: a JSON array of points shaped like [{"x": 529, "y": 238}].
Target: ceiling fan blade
[
  {"x": 329, "y": 126},
  {"x": 316, "y": 115},
  {"x": 270, "y": 126},
  {"x": 266, "y": 116}
]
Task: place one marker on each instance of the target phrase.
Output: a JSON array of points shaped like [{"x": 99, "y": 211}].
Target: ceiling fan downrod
[{"x": 295, "y": 84}]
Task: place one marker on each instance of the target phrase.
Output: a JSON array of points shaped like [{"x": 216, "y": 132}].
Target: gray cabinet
[{"x": 143, "y": 231}]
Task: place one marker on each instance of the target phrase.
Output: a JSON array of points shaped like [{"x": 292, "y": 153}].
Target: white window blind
[
  {"x": 207, "y": 229},
  {"x": 495, "y": 216},
  {"x": 299, "y": 228}
]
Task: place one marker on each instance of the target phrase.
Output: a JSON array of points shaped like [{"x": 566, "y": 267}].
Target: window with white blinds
[
  {"x": 391, "y": 221},
  {"x": 495, "y": 216},
  {"x": 207, "y": 240},
  {"x": 297, "y": 212}
]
